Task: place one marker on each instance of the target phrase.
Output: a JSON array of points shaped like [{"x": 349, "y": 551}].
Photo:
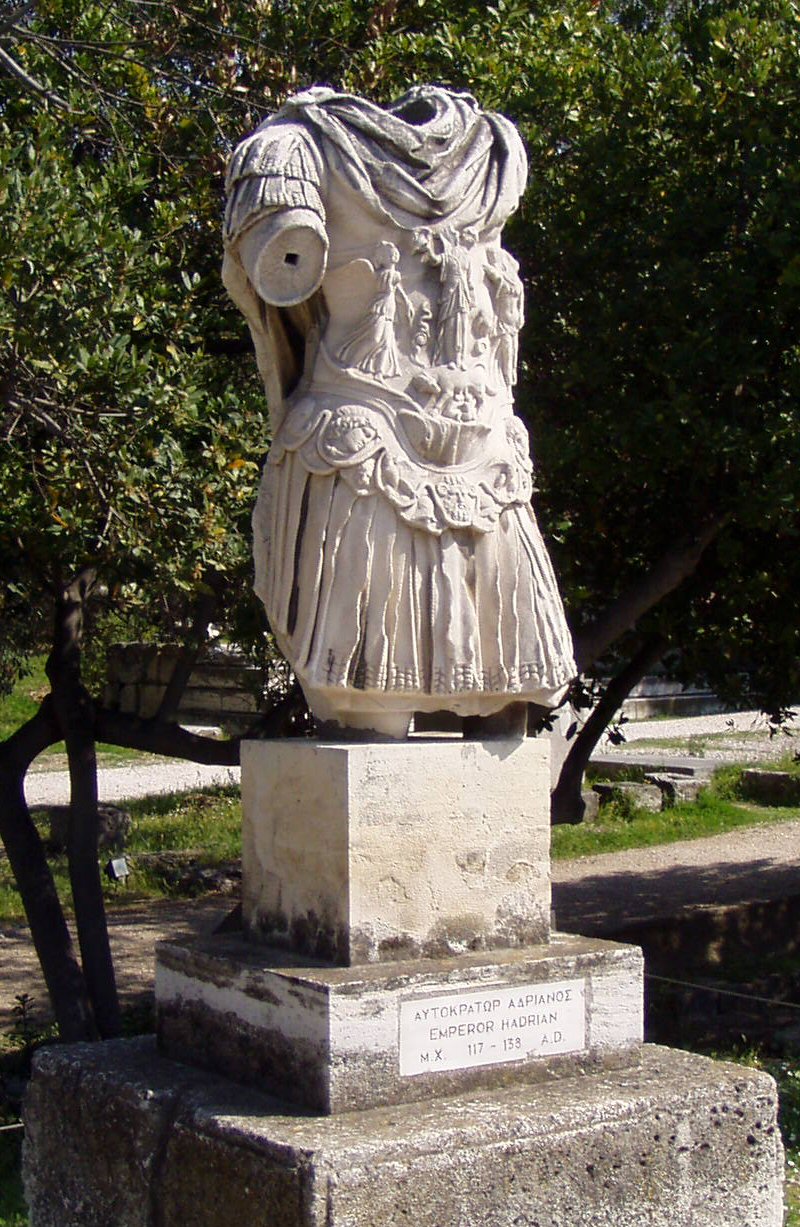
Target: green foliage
[
  {"x": 658, "y": 241},
  {"x": 710, "y": 814},
  {"x": 661, "y": 222},
  {"x": 131, "y": 440},
  {"x": 620, "y": 809},
  {"x": 207, "y": 823},
  {"x": 726, "y": 782},
  {"x": 13, "y": 1212}
]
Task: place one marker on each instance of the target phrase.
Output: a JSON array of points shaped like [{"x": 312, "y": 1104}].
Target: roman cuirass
[{"x": 408, "y": 392}]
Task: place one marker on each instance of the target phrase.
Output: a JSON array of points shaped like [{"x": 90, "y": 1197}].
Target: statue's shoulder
[
  {"x": 278, "y": 166},
  {"x": 279, "y": 147}
]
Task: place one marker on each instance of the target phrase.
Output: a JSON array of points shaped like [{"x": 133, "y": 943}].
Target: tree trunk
[
  {"x": 668, "y": 573},
  {"x": 75, "y": 714},
  {"x": 566, "y": 802},
  {"x": 51, "y": 937}
]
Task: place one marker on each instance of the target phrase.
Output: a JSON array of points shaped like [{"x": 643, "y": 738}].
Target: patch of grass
[
  {"x": 10, "y": 903},
  {"x": 55, "y": 758},
  {"x": 790, "y": 762},
  {"x": 23, "y": 702},
  {"x": 792, "y": 1190},
  {"x": 621, "y": 827},
  {"x": 697, "y": 741},
  {"x": 207, "y": 821}
]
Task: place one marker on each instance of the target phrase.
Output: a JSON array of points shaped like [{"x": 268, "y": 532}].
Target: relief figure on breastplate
[
  {"x": 396, "y": 550},
  {"x": 501, "y": 273},
  {"x": 373, "y": 347},
  {"x": 449, "y": 251}
]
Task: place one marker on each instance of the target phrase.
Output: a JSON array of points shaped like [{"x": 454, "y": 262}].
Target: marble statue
[{"x": 396, "y": 551}]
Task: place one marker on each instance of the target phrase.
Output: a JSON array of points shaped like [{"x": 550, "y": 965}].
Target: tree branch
[
  {"x": 622, "y": 615},
  {"x": 566, "y": 802},
  {"x": 30, "y": 82},
  {"x": 159, "y": 737},
  {"x": 286, "y": 718}
]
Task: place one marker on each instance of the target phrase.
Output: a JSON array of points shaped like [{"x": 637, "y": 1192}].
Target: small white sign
[{"x": 488, "y": 1026}]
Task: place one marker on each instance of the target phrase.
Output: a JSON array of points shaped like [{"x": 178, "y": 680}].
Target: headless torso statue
[{"x": 396, "y": 550}]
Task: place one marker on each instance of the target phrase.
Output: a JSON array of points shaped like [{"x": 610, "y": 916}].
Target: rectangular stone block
[
  {"x": 239, "y": 701},
  {"x": 357, "y": 852},
  {"x": 228, "y": 677},
  {"x": 197, "y": 699},
  {"x": 150, "y": 697},
  {"x": 128, "y": 662},
  {"x": 337, "y": 1038},
  {"x": 117, "y": 1137},
  {"x": 129, "y": 699},
  {"x": 163, "y": 666}
]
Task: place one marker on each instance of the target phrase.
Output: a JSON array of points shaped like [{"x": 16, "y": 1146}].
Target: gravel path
[
  {"x": 133, "y": 780},
  {"x": 697, "y": 726},
  {"x": 736, "y": 737},
  {"x": 600, "y": 893}
]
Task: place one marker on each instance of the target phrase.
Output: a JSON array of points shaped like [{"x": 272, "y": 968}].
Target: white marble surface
[
  {"x": 438, "y": 846},
  {"x": 396, "y": 550}
]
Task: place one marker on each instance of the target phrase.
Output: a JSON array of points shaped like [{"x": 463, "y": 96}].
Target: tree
[
  {"x": 133, "y": 433},
  {"x": 658, "y": 241},
  {"x": 664, "y": 380}
]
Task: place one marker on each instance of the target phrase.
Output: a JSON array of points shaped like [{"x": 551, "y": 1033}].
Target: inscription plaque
[{"x": 490, "y": 1026}]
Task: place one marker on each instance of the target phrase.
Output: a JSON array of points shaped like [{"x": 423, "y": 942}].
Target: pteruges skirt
[{"x": 362, "y": 602}]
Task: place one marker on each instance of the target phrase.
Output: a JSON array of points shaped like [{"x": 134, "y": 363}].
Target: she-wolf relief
[{"x": 396, "y": 549}]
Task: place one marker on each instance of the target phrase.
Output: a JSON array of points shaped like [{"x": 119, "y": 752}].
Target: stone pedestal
[
  {"x": 357, "y": 852},
  {"x": 336, "y": 1038},
  {"x": 116, "y": 1136},
  {"x": 441, "y": 1057}
]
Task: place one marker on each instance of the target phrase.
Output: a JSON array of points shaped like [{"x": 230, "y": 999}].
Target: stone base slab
[
  {"x": 360, "y": 852},
  {"x": 336, "y": 1038},
  {"x": 117, "y": 1136}
]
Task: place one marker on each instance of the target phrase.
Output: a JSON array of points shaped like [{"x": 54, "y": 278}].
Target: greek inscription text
[{"x": 473, "y": 1028}]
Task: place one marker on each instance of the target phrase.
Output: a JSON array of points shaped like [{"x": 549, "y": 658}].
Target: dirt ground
[{"x": 134, "y": 932}]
